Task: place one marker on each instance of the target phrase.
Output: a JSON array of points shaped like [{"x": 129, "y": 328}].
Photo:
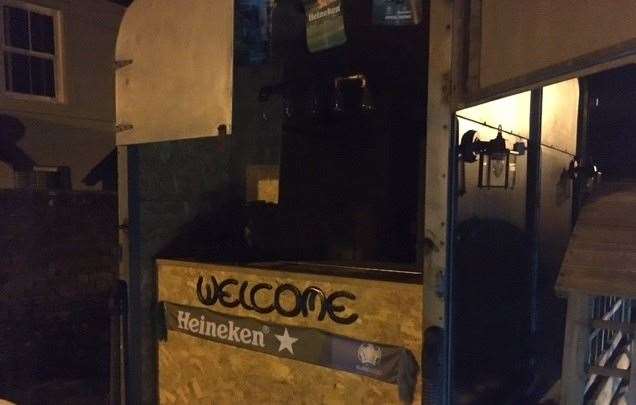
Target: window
[{"x": 29, "y": 50}]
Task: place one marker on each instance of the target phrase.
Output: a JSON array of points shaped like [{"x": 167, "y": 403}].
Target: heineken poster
[
  {"x": 397, "y": 12},
  {"x": 391, "y": 364},
  {"x": 325, "y": 24}
]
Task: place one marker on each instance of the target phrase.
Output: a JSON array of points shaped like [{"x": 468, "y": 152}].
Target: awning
[{"x": 601, "y": 255}]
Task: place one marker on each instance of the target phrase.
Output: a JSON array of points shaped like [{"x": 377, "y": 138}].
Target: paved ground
[{"x": 61, "y": 392}]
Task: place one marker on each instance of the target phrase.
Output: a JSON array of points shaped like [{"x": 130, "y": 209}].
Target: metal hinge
[
  {"x": 122, "y": 63},
  {"x": 123, "y": 127}
]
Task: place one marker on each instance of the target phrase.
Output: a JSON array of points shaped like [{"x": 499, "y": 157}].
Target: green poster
[{"x": 325, "y": 25}]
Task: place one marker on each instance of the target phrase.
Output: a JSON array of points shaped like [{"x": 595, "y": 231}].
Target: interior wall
[
  {"x": 558, "y": 130},
  {"x": 512, "y": 113}
]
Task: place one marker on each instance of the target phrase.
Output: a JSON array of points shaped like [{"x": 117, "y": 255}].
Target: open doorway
[
  {"x": 512, "y": 225},
  {"x": 612, "y": 144}
]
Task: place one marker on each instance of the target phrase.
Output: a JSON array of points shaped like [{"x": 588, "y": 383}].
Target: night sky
[{"x": 613, "y": 122}]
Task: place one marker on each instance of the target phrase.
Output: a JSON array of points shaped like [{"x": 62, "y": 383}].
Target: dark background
[{"x": 612, "y": 143}]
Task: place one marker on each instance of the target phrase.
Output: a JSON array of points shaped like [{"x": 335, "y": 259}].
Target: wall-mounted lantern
[{"x": 497, "y": 163}]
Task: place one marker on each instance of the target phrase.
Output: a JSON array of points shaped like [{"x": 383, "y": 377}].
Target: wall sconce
[{"x": 497, "y": 164}]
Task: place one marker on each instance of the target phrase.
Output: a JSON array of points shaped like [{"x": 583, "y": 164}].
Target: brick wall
[{"x": 57, "y": 266}]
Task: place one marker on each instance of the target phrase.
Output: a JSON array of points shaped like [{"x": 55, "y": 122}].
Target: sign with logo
[
  {"x": 392, "y": 364},
  {"x": 397, "y": 12},
  {"x": 256, "y": 298},
  {"x": 252, "y": 31},
  {"x": 325, "y": 24}
]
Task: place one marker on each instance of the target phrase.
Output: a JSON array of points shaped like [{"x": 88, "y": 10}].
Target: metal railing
[{"x": 610, "y": 335}]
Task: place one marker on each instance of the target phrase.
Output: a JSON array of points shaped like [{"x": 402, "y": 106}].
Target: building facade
[{"x": 57, "y": 88}]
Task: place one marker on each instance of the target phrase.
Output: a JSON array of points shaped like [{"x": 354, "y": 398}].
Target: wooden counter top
[{"x": 403, "y": 273}]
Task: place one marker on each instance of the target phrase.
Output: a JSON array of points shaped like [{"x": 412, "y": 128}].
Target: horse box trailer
[{"x": 350, "y": 201}]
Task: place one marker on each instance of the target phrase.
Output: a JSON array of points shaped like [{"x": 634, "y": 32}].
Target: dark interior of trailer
[
  {"x": 612, "y": 123},
  {"x": 342, "y": 135}
]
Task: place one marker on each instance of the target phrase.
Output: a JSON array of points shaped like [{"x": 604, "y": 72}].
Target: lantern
[{"x": 497, "y": 163}]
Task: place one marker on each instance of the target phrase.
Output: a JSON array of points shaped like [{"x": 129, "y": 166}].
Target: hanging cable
[{"x": 513, "y": 134}]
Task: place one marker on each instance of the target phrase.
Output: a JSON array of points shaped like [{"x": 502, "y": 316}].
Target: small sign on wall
[
  {"x": 325, "y": 24},
  {"x": 397, "y": 12},
  {"x": 253, "y": 31},
  {"x": 262, "y": 183}
]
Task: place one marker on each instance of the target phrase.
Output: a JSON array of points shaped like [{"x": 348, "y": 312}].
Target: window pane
[
  {"x": 42, "y": 77},
  {"x": 42, "y": 36},
  {"x": 16, "y": 27},
  {"x": 18, "y": 72}
]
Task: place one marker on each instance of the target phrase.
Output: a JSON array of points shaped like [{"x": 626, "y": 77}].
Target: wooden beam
[
  {"x": 614, "y": 326},
  {"x": 609, "y": 372}
]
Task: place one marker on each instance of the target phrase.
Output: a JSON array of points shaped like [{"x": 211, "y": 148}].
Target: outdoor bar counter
[{"x": 276, "y": 333}]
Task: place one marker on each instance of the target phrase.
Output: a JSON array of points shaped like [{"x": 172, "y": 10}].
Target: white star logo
[{"x": 286, "y": 342}]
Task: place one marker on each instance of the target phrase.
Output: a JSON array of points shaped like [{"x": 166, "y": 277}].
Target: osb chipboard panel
[
  {"x": 196, "y": 371},
  {"x": 515, "y": 34}
]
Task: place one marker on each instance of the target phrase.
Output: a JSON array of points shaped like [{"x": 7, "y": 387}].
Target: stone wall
[{"x": 57, "y": 266}]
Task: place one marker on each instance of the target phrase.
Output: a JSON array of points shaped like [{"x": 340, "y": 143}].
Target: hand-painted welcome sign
[{"x": 263, "y": 298}]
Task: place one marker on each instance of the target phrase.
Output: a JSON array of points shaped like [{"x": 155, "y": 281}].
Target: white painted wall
[
  {"x": 513, "y": 114},
  {"x": 78, "y": 131},
  {"x": 522, "y": 37},
  {"x": 180, "y": 82}
]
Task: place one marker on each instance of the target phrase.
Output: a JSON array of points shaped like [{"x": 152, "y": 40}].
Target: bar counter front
[{"x": 276, "y": 333}]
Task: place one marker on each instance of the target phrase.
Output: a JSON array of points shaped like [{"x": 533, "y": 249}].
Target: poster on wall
[
  {"x": 325, "y": 24},
  {"x": 253, "y": 31},
  {"x": 397, "y": 12}
]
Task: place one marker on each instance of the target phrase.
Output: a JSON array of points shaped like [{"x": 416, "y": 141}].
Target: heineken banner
[
  {"x": 391, "y": 364},
  {"x": 325, "y": 25}
]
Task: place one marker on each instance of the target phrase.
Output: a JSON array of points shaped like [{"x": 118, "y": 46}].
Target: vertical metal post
[
  {"x": 581, "y": 146},
  {"x": 118, "y": 379},
  {"x": 133, "y": 348},
  {"x": 577, "y": 333},
  {"x": 533, "y": 212},
  {"x": 118, "y": 336},
  {"x": 434, "y": 231}
]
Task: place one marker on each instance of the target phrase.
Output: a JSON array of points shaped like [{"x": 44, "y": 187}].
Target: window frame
[{"x": 56, "y": 15}]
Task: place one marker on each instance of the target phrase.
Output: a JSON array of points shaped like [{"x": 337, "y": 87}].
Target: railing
[
  {"x": 598, "y": 352},
  {"x": 609, "y": 339}
]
